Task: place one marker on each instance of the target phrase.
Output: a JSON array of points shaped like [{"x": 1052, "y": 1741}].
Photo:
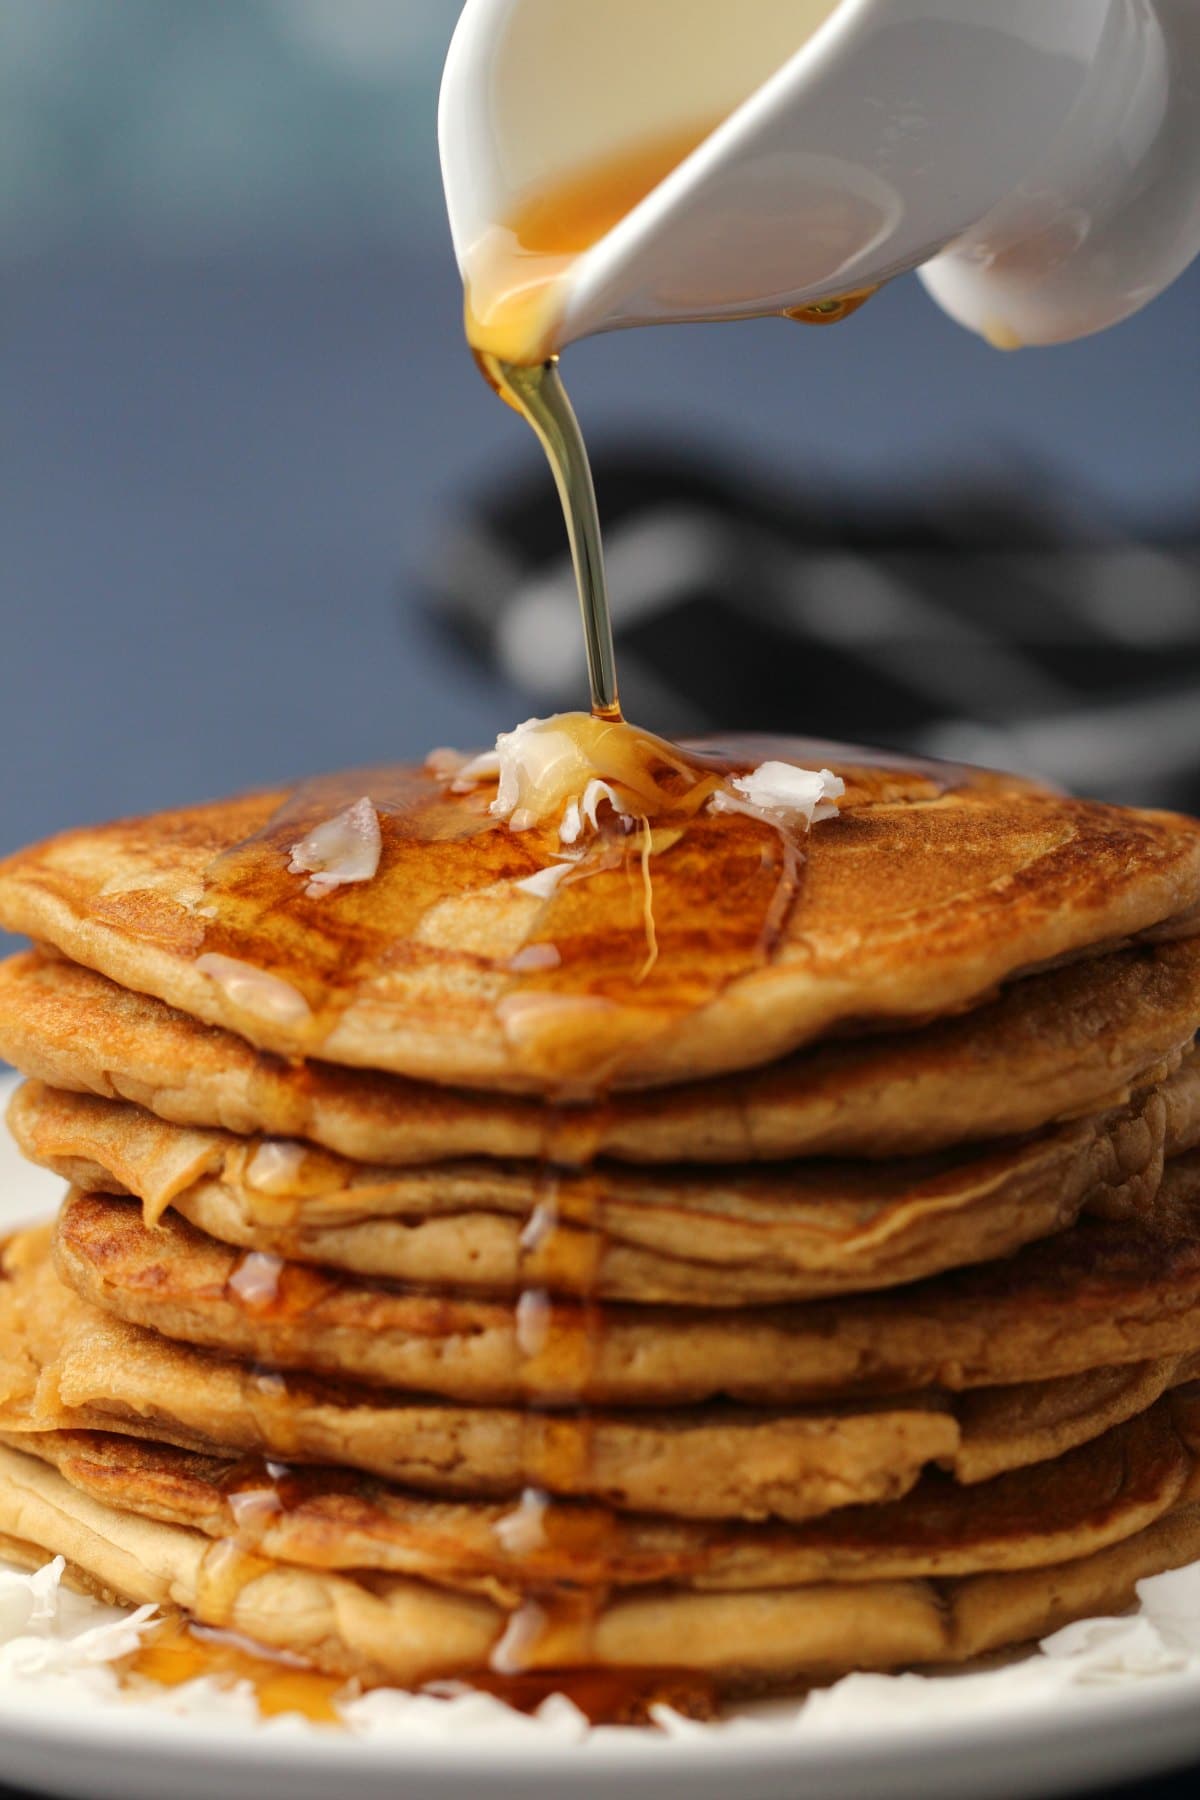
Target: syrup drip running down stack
[{"x": 447, "y": 1288}]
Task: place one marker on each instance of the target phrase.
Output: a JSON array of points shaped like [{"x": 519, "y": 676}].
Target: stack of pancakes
[{"x": 447, "y": 1287}]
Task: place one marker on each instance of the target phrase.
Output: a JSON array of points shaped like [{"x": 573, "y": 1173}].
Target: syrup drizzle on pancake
[
  {"x": 547, "y": 1648},
  {"x": 553, "y": 1626},
  {"x": 723, "y": 888}
]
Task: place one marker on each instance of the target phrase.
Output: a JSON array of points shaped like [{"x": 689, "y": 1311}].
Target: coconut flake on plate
[
  {"x": 58, "y": 1648},
  {"x": 46, "y": 1630}
]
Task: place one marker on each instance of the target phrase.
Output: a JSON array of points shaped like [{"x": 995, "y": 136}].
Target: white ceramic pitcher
[{"x": 1038, "y": 160}]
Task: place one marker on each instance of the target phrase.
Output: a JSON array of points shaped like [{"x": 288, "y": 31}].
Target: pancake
[
  {"x": 1061, "y": 1044},
  {"x": 671, "y": 1235},
  {"x": 409, "y": 1632},
  {"x": 67, "y": 1366},
  {"x": 931, "y": 888},
  {"x": 1105, "y": 1292},
  {"x": 336, "y": 1519}
]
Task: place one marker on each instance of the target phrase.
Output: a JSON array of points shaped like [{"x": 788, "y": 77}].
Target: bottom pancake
[
  {"x": 337, "y": 1519},
  {"x": 66, "y": 1365},
  {"x": 406, "y": 1632}
]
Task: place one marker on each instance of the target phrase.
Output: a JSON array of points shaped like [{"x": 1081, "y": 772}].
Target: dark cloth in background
[{"x": 1009, "y": 627}]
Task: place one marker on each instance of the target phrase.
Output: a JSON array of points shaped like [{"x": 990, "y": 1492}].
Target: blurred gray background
[{"x": 239, "y": 426}]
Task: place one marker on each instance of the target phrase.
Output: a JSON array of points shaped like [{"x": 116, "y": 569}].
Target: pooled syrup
[{"x": 181, "y": 1651}]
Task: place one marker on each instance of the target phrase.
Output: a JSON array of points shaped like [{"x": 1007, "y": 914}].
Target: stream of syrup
[
  {"x": 514, "y": 297},
  {"x": 516, "y": 287}
]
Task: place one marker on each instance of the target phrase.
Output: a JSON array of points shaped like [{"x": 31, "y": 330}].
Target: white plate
[{"x": 1013, "y": 1732}]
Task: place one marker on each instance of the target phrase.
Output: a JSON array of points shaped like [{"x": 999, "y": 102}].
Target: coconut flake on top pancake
[{"x": 924, "y": 894}]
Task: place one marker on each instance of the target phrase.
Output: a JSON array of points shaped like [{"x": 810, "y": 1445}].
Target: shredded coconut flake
[
  {"x": 484, "y": 767},
  {"x": 522, "y": 1532},
  {"x": 445, "y": 762},
  {"x": 534, "y": 764},
  {"x": 594, "y": 795},
  {"x": 46, "y": 1631},
  {"x": 344, "y": 849},
  {"x": 783, "y": 794},
  {"x": 586, "y": 811},
  {"x": 255, "y": 991},
  {"x": 534, "y": 957},
  {"x": 275, "y": 1165},
  {"x": 543, "y": 885}
]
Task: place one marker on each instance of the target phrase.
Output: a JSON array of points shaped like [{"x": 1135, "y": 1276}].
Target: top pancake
[{"x": 924, "y": 894}]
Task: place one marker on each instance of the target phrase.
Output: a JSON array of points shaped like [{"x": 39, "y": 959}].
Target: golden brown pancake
[
  {"x": 1105, "y": 1292},
  {"x": 408, "y": 1632},
  {"x": 65, "y": 1365},
  {"x": 1062, "y": 1044},
  {"x": 927, "y": 892},
  {"x": 338, "y": 1519},
  {"x": 724, "y": 1237},
  {"x": 68, "y": 1366}
]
